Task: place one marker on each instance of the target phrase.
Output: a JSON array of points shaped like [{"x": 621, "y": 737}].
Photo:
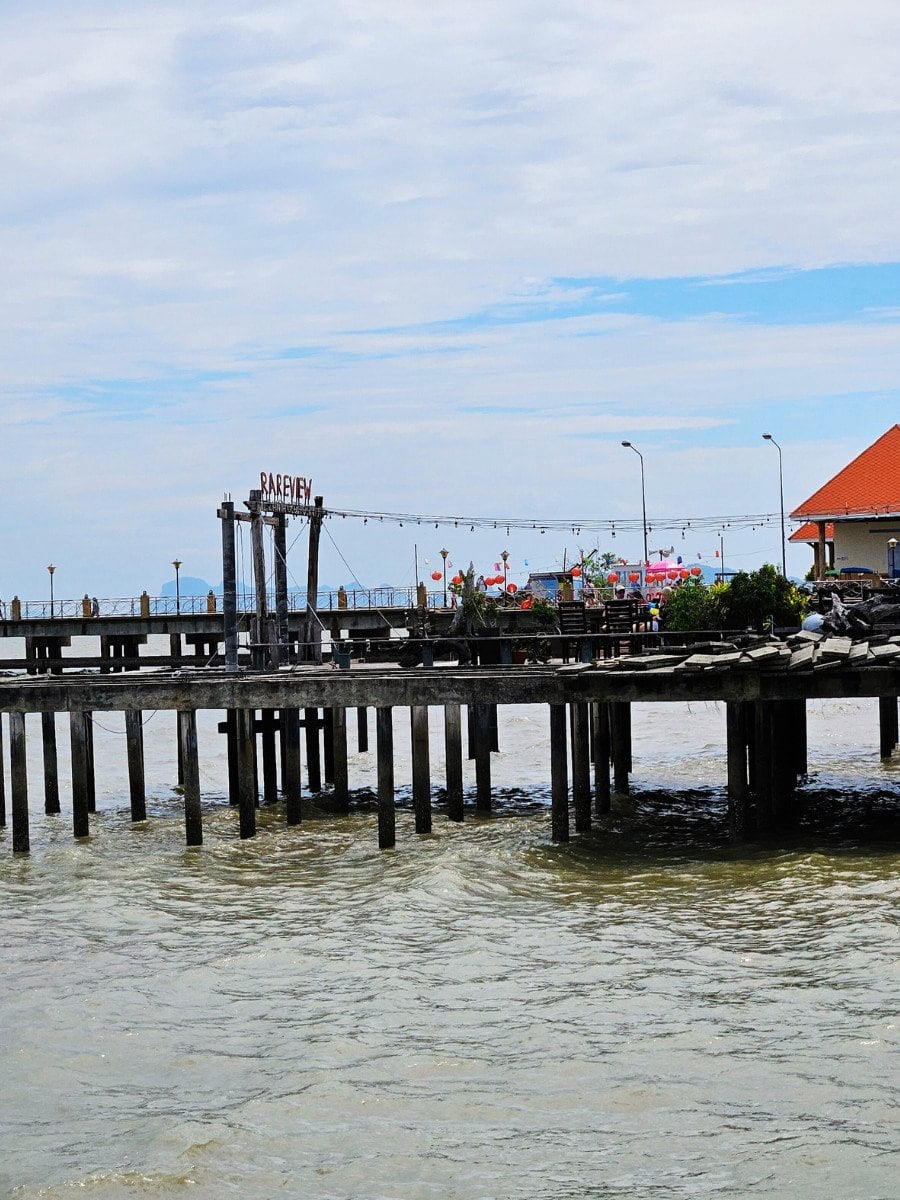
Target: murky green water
[{"x": 645, "y": 1013}]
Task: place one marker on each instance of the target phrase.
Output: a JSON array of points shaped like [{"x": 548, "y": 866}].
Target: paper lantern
[
  {"x": 634, "y": 577},
  {"x": 457, "y": 579},
  {"x": 696, "y": 571},
  {"x": 612, "y": 577},
  {"x": 672, "y": 574},
  {"x": 684, "y": 574},
  {"x": 576, "y": 572},
  {"x": 435, "y": 575},
  {"x": 512, "y": 588}
]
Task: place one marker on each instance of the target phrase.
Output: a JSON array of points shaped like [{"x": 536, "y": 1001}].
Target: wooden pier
[{"x": 765, "y": 690}]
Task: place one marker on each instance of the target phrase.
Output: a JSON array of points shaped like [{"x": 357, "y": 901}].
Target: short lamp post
[
  {"x": 768, "y": 437},
  {"x": 504, "y": 554},
  {"x": 176, "y": 563},
  {"x": 892, "y": 558},
  {"x": 51, "y": 569},
  {"x": 444, "y": 554}
]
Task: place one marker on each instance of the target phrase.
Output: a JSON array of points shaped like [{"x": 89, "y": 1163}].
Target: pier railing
[{"x": 131, "y": 606}]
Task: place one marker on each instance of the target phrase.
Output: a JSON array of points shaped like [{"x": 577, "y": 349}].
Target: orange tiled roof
[
  {"x": 869, "y": 486},
  {"x": 810, "y": 532}
]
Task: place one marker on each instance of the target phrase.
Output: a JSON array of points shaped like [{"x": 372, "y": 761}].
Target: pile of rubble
[{"x": 803, "y": 651}]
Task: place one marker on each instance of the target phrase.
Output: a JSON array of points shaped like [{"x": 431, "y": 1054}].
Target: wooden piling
[
  {"x": 246, "y": 772},
  {"x": 453, "y": 757},
  {"x": 581, "y": 767},
  {"x": 2, "y": 780},
  {"x": 90, "y": 777},
  {"x": 620, "y": 737},
  {"x": 187, "y": 738},
  {"x": 495, "y": 727},
  {"x": 339, "y": 758},
  {"x": 470, "y": 731},
  {"x": 887, "y": 725},
  {"x": 78, "y": 743},
  {"x": 384, "y": 742},
  {"x": 134, "y": 744},
  {"x": 362, "y": 730},
  {"x": 51, "y": 765},
  {"x": 18, "y": 778},
  {"x": 559, "y": 775},
  {"x": 601, "y": 747},
  {"x": 764, "y": 772},
  {"x": 313, "y": 758},
  {"x": 738, "y": 784},
  {"x": 291, "y": 785},
  {"x": 328, "y": 745},
  {"x": 483, "y": 741},
  {"x": 421, "y": 767},
  {"x": 269, "y": 755},
  {"x": 230, "y": 730}
]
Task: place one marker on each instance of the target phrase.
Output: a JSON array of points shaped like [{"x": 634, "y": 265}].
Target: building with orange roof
[{"x": 862, "y": 505}]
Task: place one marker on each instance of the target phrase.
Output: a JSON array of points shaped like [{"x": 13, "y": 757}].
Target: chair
[
  {"x": 620, "y": 617},
  {"x": 572, "y": 626}
]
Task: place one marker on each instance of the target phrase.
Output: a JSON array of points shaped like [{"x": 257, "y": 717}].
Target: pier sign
[{"x": 287, "y": 489}]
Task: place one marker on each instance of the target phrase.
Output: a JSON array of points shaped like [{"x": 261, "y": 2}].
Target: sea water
[{"x": 645, "y": 1012}]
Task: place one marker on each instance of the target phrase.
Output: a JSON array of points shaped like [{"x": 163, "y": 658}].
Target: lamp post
[
  {"x": 892, "y": 558},
  {"x": 768, "y": 437},
  {"x": 51, "y": 569},
  {"x": 630, "y": 446},
  {"x": 176, "y": 563},
  {"x": 444, "y": 554},
  {"x": 504, "y": 554}
]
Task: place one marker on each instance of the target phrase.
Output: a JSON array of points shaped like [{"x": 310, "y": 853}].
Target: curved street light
[
  {"x": 768, "y": 438},
  {"x": 631, "y": 446}
]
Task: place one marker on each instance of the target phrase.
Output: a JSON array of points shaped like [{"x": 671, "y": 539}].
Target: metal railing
[{"x": 167, "y": 606}]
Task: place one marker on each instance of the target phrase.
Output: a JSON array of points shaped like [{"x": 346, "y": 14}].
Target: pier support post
[
  {"x": 79, "y": 748},
  {"x": 2, "y": 780},
  {"x": 384, "y": 743},
  {"x": 362, "y": 730},
  {"x": 231, "y": 738},
  {"x": 339, "y": 758},
  {"x": 18, "y": 778},
  {"x": 738, "y": 786},
  {"x": 246, "y": 771},
  {"x": 483, "y": 741},
  {"x": 51, "y": 765},
  {"x": 229, "y": 586},
  {"x": 91, "y": 776},
  {"x": 581, "y": 767},
  {"x": 620, "y": 736},
  {"x": 470, "y": 731},
  {"x": 600, "y": 717},
  {"x": 313, "y": 757},
  {"x": 269, "y": 755},
  {"x": 559, "y": 774},
  {"x": 187, "y": 738},
  {"x": 291, "y": 784},
  {"x": 800, "y": 738},
  {"x": 421, "y": 767},
  {"x": 887, "y": 725},
  {"x": 764, "y": 766},
  {"x": 784, "y": 765},
  {"x": 134, "y": 742},
  {"x": 495, "y": 727},
  {"x": 328, "y": 745},
  {"x": 453, "y": 757}
]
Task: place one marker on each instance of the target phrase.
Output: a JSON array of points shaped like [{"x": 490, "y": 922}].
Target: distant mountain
[{"x": 188, "y": 585}]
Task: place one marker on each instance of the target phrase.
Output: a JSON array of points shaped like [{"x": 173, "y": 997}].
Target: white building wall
[{"x": 864, "y": 544}]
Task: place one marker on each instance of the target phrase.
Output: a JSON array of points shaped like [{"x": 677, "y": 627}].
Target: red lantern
[
  {"x": 612, "y": 577},
  {"x": 435, "y": 575},
  {"x": 512, "y": 588},
  {"x": 684, "y": 574},
  {"x": 633, "y": 577},
  {"x": 672, "y": 574},
  {"x": 576, "y": 572},
  {"x": 457, "y": 579},
  {"x": 696, "y": 571}
]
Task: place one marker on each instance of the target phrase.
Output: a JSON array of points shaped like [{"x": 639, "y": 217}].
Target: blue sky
[{"x": 442, "y": 259}]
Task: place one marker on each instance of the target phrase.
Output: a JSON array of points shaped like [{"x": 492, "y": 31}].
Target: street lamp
[
  {"x": 51, "y": 569},
  {"x": 643, "y": 495},
  {"x": 892, "y": 558},
  {"x": 176, "y": 563},
  {"x": 768, "y": 437},
  {"x": 444, "y": 554},
  {"x": 504, "y": 554}
]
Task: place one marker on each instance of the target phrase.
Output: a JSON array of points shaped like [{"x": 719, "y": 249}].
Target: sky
[{"x": 442, "y": 259}]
